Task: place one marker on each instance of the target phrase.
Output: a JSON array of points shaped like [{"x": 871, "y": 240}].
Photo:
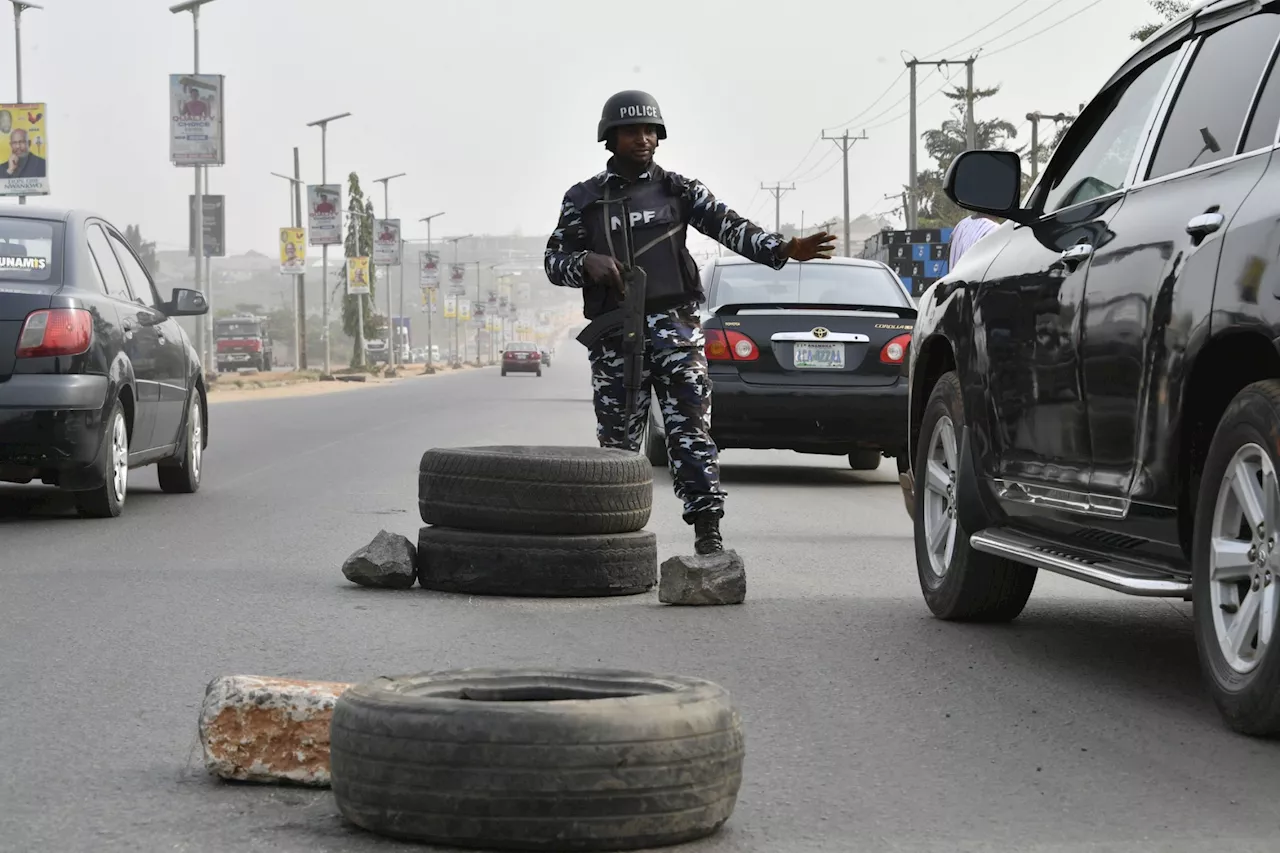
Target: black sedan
[
  {"x": 807, "y": 358},
  {"x": 96, "y": 377}
]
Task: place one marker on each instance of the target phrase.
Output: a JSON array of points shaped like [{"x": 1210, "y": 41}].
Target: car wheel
[
  {"x": 655, "y": 441},
  {"x": 497, "y": 759},
  {"x": 107, "y": 500},
  {"x": 958, "y": 583},
  {"x": 539, "y": 373},
  {"x": 865, "y": 460},
  {"x": 1236, "y": 563},
  {"x": 181, "y": 475}
]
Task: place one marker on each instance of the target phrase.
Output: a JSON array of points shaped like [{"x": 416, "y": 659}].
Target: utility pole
[
  {"x": 301, "y": 284},
  {"x": 1035, "y": 119},
  {"x": 323, "y": 124},
  {"x": 18, "y": 6},
  {"x": 911, "y": 212},
  {"x": 392, "y": 345},
  {"x": 777, "y": 190},
  {"x": 457, "y": 307},
  {"x": 431, "y": 302},
  {"x": 295, "y": 216},
  {"x": 844, "y": 143}
]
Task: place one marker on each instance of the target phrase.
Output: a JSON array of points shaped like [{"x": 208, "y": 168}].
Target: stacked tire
[{"x": 542, "y": 521}]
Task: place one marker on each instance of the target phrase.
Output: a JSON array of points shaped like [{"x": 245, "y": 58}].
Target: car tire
[
  {"x": 541, "y": 490},
  {"x": 181, "y": 475},
  {"x": 1240, "y": 665},
  {"x": 959, "y": 584},
  {"x": 108, "y": 499},
  {"x": 865, "y": 460},
  {"x": 488, "y": 758},
  {"x": 504, "y": 373},
  {"x": 655, "y": 441},
  {"x": 539, "y": 373},
  {"x": 546, "y": 566}
]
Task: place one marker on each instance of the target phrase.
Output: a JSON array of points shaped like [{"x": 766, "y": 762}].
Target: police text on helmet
[{"x": 638, "y": 111}]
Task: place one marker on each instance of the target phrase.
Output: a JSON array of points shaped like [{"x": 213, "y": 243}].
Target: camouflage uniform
[{"x": 675, "y": 364}]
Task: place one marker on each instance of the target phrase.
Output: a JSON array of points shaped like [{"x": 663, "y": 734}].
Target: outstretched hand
[
  {"x": 603, "y": 269},
  {"x": 820, "y": 245}
]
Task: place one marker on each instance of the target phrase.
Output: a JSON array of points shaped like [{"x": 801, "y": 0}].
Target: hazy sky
[{"x": 491, "y": 106}]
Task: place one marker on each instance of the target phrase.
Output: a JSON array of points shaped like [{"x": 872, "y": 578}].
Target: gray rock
[
  {"x": 389, "y": 562},
  {"x": 715, "y": 579}
]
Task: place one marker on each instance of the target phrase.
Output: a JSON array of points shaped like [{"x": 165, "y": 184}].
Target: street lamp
[
  {"x": 193, "y": 6},
  {"x": 18, "y": 6},
  {"x": 323, "y": 124},
  {"x": 427, "y": 219},
  {"x": 293, "y": 220},
  {"x": 457, "y": 314},
  {"x": 392, "y": 343},
  {"x": 360, "y": 302}
]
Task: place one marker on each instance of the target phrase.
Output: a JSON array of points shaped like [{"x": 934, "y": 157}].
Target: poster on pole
[
  {"x": 195, "y": 119},
  {"x": 457, "y": 272},
  {"x": 428, "y": 269},
  {"x": 293, "y": 251},
  {"x": 215, "y": 226},
  {"x": 324, "y": 214},
  {"x": 450, "y": 307},
  {"x": 464, "y": 310},
  {"x": 357, "y": 276},
  {"x": 386, "y": 243},
  {"x": 26, "y": 149}
]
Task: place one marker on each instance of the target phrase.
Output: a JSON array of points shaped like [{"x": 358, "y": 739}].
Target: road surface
[{"x": 870, "y": 726}]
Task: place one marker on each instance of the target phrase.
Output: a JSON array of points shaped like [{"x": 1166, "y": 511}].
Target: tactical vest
[{"x": 660, "y": 221}]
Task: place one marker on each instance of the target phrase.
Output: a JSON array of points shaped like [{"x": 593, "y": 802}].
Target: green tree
[
  {"x": 1168, "y": 10},
  {"x": 146, "y": 250},
  {"x": 358, "y": 244}
]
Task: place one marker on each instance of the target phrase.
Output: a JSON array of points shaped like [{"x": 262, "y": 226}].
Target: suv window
[
  {"x": 1266, "y": 115},
  {"x": 1099, "y": 164},
  {"x": 139, "y": 281},
  {"x": 100, "y": 248},
  {"x": 1213, "y": 100}
]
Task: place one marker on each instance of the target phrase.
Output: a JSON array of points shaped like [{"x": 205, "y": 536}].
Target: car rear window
[
  {"x": 521, "y": 347},
  {"x": 237, "y": 330},
  {"x": 824, "y": 284},
  {"x": 30, "y": 249}
]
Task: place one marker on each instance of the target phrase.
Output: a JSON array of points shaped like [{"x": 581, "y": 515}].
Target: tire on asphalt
[
  {"x": 970, "y": 586},
  {"x": 535, "y": 489},
  {"x": 655, "y": 444},
  {"x": 181, "y": 475},
  {"x": 496, "y": 759},
  {"x": 865, "y": 460},
  {"x": 552, "y": 566},
  {"x": 104, "y": 501},
  {"x": 1246, "y": 690}
]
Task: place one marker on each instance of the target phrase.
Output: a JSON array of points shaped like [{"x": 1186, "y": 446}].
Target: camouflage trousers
[{"x": 677, "y": 376}]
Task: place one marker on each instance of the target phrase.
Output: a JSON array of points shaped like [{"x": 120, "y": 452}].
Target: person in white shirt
[{"x": 968, "y": 231}]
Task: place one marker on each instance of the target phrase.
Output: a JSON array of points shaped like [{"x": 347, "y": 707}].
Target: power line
[
  {"x": 1070, "y": 17},
  {"x": 992, "y": 22}
]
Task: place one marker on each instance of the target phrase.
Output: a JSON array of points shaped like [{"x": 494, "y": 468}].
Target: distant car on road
[
  {"x": 96, "y": 377},
  {"x": 808, "y": 358},
  {"x": 243, "y": 341},
  {"x": 521, "y": 357}
]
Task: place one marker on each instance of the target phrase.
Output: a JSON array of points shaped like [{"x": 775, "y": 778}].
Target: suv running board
[{"x": 1112, "y": 574}]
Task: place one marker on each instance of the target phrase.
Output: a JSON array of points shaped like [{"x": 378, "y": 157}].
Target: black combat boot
[{"x": 706, "y": 533}]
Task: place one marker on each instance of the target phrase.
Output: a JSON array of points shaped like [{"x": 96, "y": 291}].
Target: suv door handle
[
  {"x": 1077, "y": 253},
  {"x": 1205, "y": 224}
]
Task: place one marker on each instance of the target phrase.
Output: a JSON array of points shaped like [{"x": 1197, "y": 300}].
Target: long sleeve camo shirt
[{"x": 565, "y": 257}]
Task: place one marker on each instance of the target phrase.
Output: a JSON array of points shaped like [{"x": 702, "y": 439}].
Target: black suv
[{"x": 1095, "y": 388}]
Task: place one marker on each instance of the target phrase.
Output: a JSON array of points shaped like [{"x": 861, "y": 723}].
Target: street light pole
[
  {"x": 392, "y": 345},
  {"x": 431, "y": 306},
  {"x": 457, "y": 312},
  {"x": 18, "y": 6},
  {"x": 323, "y": 124},
  {"x": 295, "y": 213}
]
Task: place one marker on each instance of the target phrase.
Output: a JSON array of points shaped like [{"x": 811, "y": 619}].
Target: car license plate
[{"x": 826, "y": 354}]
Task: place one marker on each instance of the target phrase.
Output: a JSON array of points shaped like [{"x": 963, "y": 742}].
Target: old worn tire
[
  {"x": 973, "y": 586},
  {"x": 535, "y": 489},
  {"x": 655, "y": 440},
  {"x": 551, "y": 566},
  {"x": 496, "y": 759}
]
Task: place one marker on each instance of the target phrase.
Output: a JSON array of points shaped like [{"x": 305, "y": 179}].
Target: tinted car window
[
  {"x": 1266, "y": 115},
  {"x": 139, "y": 281},
  {"x": 1214, "y": 97},
  {"x": 521, "y": 347},
  {"x": 827, "y": 284},
  {"x": 1086, "y": 168},
  {"x": 237, "y": 329},
  {"x": 26, "y": 249},
  {"x": 107, "y": 264}
]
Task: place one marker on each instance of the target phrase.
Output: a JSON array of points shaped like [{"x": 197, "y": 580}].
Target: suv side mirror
[
  {"x": 186, "y": 303},
  {"x": 987, "y": 182}
]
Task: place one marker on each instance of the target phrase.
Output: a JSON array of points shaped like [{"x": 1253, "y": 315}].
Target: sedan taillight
[
  {"x": 56, "y": 332},
  {"x": 895, "y": 351}
]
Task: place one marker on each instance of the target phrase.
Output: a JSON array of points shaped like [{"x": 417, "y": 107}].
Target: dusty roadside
[{"x": 273, "y": 386}]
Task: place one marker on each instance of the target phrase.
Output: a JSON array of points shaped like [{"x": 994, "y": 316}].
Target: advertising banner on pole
[
  {"x": 215, "y": 226},
  {"x": 428, "y": 269},
  {"x": 464, "y": 309},
  {"x": 357, "y": 276},
  {"x": 293, "y": 251},
  {"x": 429, "y": 300},
  {"x": 324, "y": 214},
  {"x": 457, "y": 272},
  {"x": 195, "y": 119},
  {"x": 386, "y": 242},
  {"x": 450, "y": 307},
  {"x": 25, "y": 143}
]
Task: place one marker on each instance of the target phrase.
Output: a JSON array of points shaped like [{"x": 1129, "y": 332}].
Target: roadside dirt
[{"x": 273, "y": 386}]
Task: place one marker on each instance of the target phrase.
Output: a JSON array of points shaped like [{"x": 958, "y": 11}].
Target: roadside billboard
[
  {"x": 324, "y": 214},
  {"x": 464, "y": 309},
  {"x": 215, "y": 226},
  {"x": 25, "y": 141},
  {"x": 386, "y": 242},
  {"x": 450, "y": 307},
  {"x": 357, "y": 276},
  {"x": 293, "y": 251},
  {"x": 428, "y": 269},
  {"x": 195, "y": 119}
]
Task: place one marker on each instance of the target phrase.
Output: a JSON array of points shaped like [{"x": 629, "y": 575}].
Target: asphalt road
[{"x": 870, "y": 725}]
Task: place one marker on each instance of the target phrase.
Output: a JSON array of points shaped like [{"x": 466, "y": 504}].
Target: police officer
[{"x": 584, "y": 252}]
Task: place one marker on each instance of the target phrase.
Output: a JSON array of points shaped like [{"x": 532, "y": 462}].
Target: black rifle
[{"x": 630, "y": 317}]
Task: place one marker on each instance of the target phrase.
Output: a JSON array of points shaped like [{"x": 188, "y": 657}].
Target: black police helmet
[{"x": 630, "y": 107}]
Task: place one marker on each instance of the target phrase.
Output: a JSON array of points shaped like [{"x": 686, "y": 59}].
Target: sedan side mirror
[
  {"x": 186, "y": 303},
  {"x": 987, "y": 182}
]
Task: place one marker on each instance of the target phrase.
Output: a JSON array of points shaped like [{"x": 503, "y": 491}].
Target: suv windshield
[
  {"x": 238, "y": 329},
  {"x": 826, "y": 284},
  {"x": 27, "y": 249}
]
